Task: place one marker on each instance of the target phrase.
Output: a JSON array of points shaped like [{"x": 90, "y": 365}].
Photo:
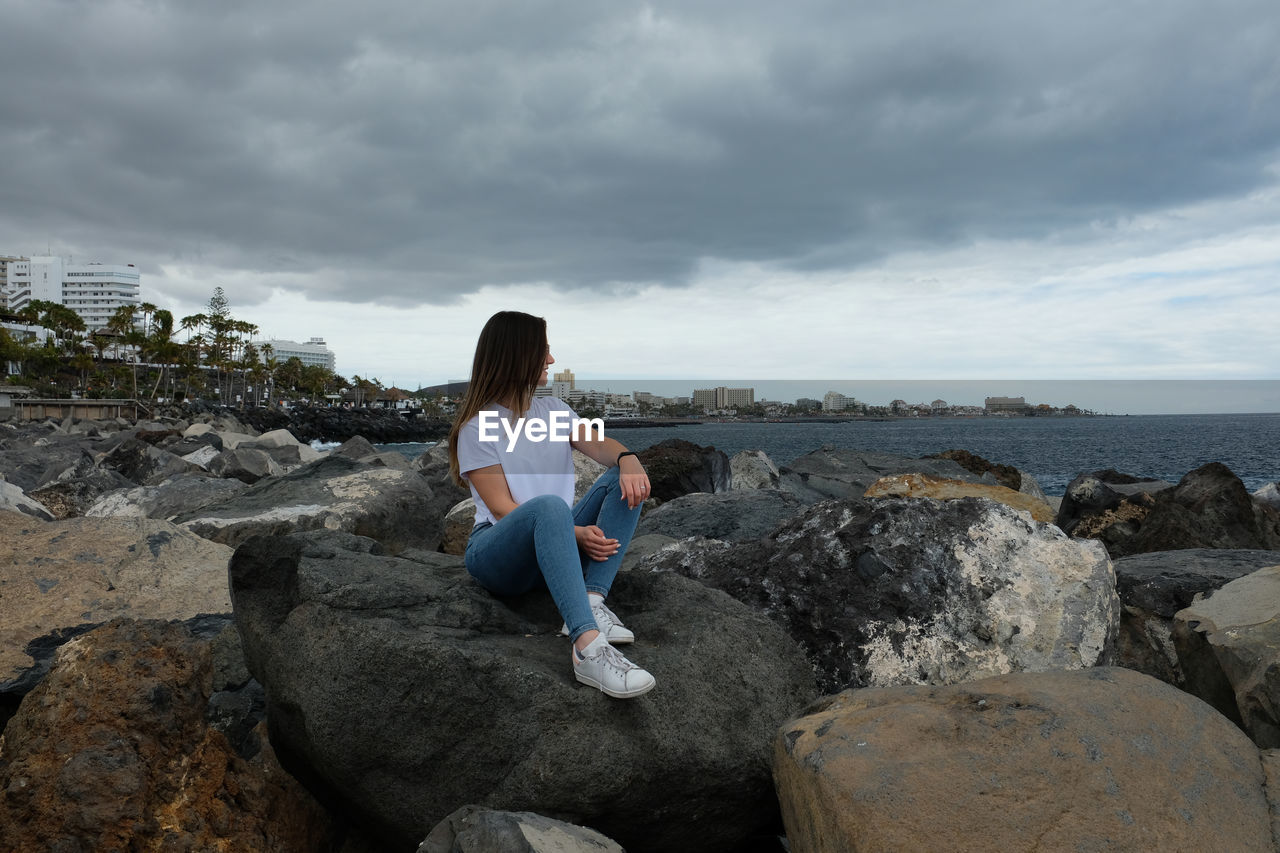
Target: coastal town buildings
[
  {"x": 313, "y": 352},
  {"x": 94, "y": 291},
  {"x": 720, "y": 397},
  {"x": 834, "y": 401},
  {"x": 5, "y": 260},
  {"x": 997, "y": 405}
]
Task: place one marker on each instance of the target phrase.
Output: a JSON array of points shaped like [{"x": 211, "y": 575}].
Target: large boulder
[
  {"x": 405, "y": 691},
  {"x": 946, "y": 489},
  {"x": 738, "y": 515},
  {"x": 84, "y": 571},
  {"x": 458, "y": 523},
  {"x": 244, "y": 463},
  {"x": 1269, "y": 495},
  {"x": 433, "y": 465},
  {"x": 753, "y": 469},
  {"x": 112, "y": 752},
  {"x": 1209, "y": 508},
  {"x": 1154, "y": 587},
  {"x": 31, "y": 460},
  {"x": 838, "y": 473},
  {"x": 141, "y": 463},
  {"x": 78, "y": 488},
  {"x": 335, "y": 493},
  {"x": 13, "y": 499},
  {"x": 1229, "y": 648},
  {"x": 183, "y": 493},
  {"x": 472, "y": 829},
  {"x": 677, "y": 467},
  {"x": 1102, "y": 759},
  {"x": 899, "y": 591},
  {"x": 1006, "y": 475}
]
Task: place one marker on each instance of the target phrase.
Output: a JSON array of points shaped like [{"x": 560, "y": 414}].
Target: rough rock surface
[
  {"x": 1154, "y": 587},
  {"x": 1269, "y": 495},
  {"x": 244, "y": 463},
  {"x": 111, "y": 752},
  {"x": 13, "y": 499},
  {"x": 945, "y": 489},
  {"x": 30, "y": 458},
  {"x": 677, "y": 467},
  {"x": 899, "y": 591},
  {"x": 1104, "y": 759},
  {"x": 830, "y": 473},
  {"x": 60, "y": 575},
  {"x": 1229, "y": 647},
  {"x": 433, "y": 466},
  {"x": 457, "y": 527},
  {"x": 335, "y": 493},
  {"x": 376, "y": 668},
  {"x": 739, "y": 515},
  {"x": 183, "y": 493},
  {"x": 1006, "y": 475},
  {"x": 753, "y": 469},
  {"x": 472, "y": 829},
  {"x": 1209, "y": 508},
  {"x": 140, "y": 462}
]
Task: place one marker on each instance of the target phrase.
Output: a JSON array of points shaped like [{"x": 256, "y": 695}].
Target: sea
[{"x": 1053, "y": 450}]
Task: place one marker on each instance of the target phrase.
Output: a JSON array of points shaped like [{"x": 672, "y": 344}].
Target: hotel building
[{"x": 94, "y": 291}]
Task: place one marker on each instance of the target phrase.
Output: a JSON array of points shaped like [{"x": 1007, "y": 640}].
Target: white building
[
  {"x": 94, "y": 291},
  {"x": 834, "y": 401},
  {"x": 314, "y": 351},
  {"x": 5, "y": 260}
]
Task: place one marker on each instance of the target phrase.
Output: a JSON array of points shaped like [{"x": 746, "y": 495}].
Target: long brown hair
[{"x": 510, "y": 356}]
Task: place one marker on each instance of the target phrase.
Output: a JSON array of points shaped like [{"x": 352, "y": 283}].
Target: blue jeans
[{"x": 534, "y": 543}]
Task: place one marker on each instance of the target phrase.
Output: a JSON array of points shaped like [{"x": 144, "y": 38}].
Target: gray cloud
[{"x": 414, "y": 151}]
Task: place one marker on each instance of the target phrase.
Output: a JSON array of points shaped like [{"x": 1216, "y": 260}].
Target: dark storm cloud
[{"x": 439, "y": 147}]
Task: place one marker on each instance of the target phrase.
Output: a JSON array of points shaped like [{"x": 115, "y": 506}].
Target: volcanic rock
[{"x": 830, "y": 473}]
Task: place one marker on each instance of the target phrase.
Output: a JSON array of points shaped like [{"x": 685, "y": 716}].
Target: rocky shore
[{"x": 213, "y": 637}]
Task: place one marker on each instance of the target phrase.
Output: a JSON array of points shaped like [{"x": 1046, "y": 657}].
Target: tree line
[{"x": 143, "y": 353}]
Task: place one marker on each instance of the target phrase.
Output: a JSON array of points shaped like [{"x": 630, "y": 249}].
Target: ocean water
[{"x": 1053, "y": 450}]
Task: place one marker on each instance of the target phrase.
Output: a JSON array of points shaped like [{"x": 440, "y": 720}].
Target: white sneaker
[
  {"x": 601, "y": 665},
  {"x": 608, "y": 623}
]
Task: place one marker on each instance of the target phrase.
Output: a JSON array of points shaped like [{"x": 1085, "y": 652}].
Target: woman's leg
[
  {"x": 604, "y": 507},
  {"x": 534, "y": 540}
]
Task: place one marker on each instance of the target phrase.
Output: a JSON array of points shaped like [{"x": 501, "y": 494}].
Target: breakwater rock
[
  {"x": 1100, "y": 759},
  {"x": 380, "y": 426},
  {"x": 897, "y": 591},
  {"x": 406, "y": 690}
]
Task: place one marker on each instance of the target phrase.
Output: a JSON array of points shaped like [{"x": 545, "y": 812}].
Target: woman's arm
[
  {"x": 631, "y": 474},
  {"x": 491, "y": 485}
]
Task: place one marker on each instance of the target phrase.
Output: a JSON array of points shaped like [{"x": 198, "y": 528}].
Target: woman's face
[{"x": 550, "y": 361}]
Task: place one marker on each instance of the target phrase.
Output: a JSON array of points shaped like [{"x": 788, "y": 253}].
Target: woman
[{"x": 525, "y": 530}]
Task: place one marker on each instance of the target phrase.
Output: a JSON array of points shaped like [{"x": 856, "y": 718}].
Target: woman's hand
[
  {"x": 592, "y": 542},
  {"x": 633, "y": 481}
]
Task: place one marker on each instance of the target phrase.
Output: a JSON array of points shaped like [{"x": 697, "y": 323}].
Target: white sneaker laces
[
  {"x": 615, "y": 659},
  {"x": 605, "y": 617}
]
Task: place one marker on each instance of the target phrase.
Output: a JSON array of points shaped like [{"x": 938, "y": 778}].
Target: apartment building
[
  {"x": 315, "y": 351},
  {"x": 94, "y": 291}
]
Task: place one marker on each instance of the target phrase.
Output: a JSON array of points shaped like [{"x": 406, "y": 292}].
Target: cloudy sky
[{"x": 960, "y": 190}]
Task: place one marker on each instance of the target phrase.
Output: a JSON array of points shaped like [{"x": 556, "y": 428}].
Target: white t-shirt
[{"x": 532, "y": 468}]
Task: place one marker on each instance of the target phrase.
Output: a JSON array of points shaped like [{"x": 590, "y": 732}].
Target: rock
[
  {"x": 1154, "y": 587},
  {"x": 144, "y": 465},
  {"x": 677, "y": 467},
  {"x": 1005, "y": 475},
  {"x": 244, "y": 463},
  {"x": 232, "y": 435},
  {"x": 585, "y": 473},
  {"x": 735, "y": 516},
  {"x": 31, "y": 462},
  {"x": 1209, "y": 508},
  {"x": 372, "y": 661},
  {"x": 753, "y": 469},
  {"x": 79, "y": 489},
  {"x": 1269, "y": 495},
  {"x": 830, "y": 473},
  {"x": 1229, "y": 648},
  {"x": 195, "y": 443},
  {"x": 1103, "y": 759},
  {"x": 13, "y": 499},
  {"x": 111, "y": 752},
  {"x": 59, "y": 575},
  {"x": 941, "y": 488},
  {"x": 183, "y": 493},
  {"x": 900, "y": 591},
  {"x": 457, "y": 527},
  {"x": 336, "y": 493},
  {"x": 1085, "y": 496},
  {"x": 433, "y": 465},
  {"x": 643, "y": 545},
  {"x": 472, "y": 829}
]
